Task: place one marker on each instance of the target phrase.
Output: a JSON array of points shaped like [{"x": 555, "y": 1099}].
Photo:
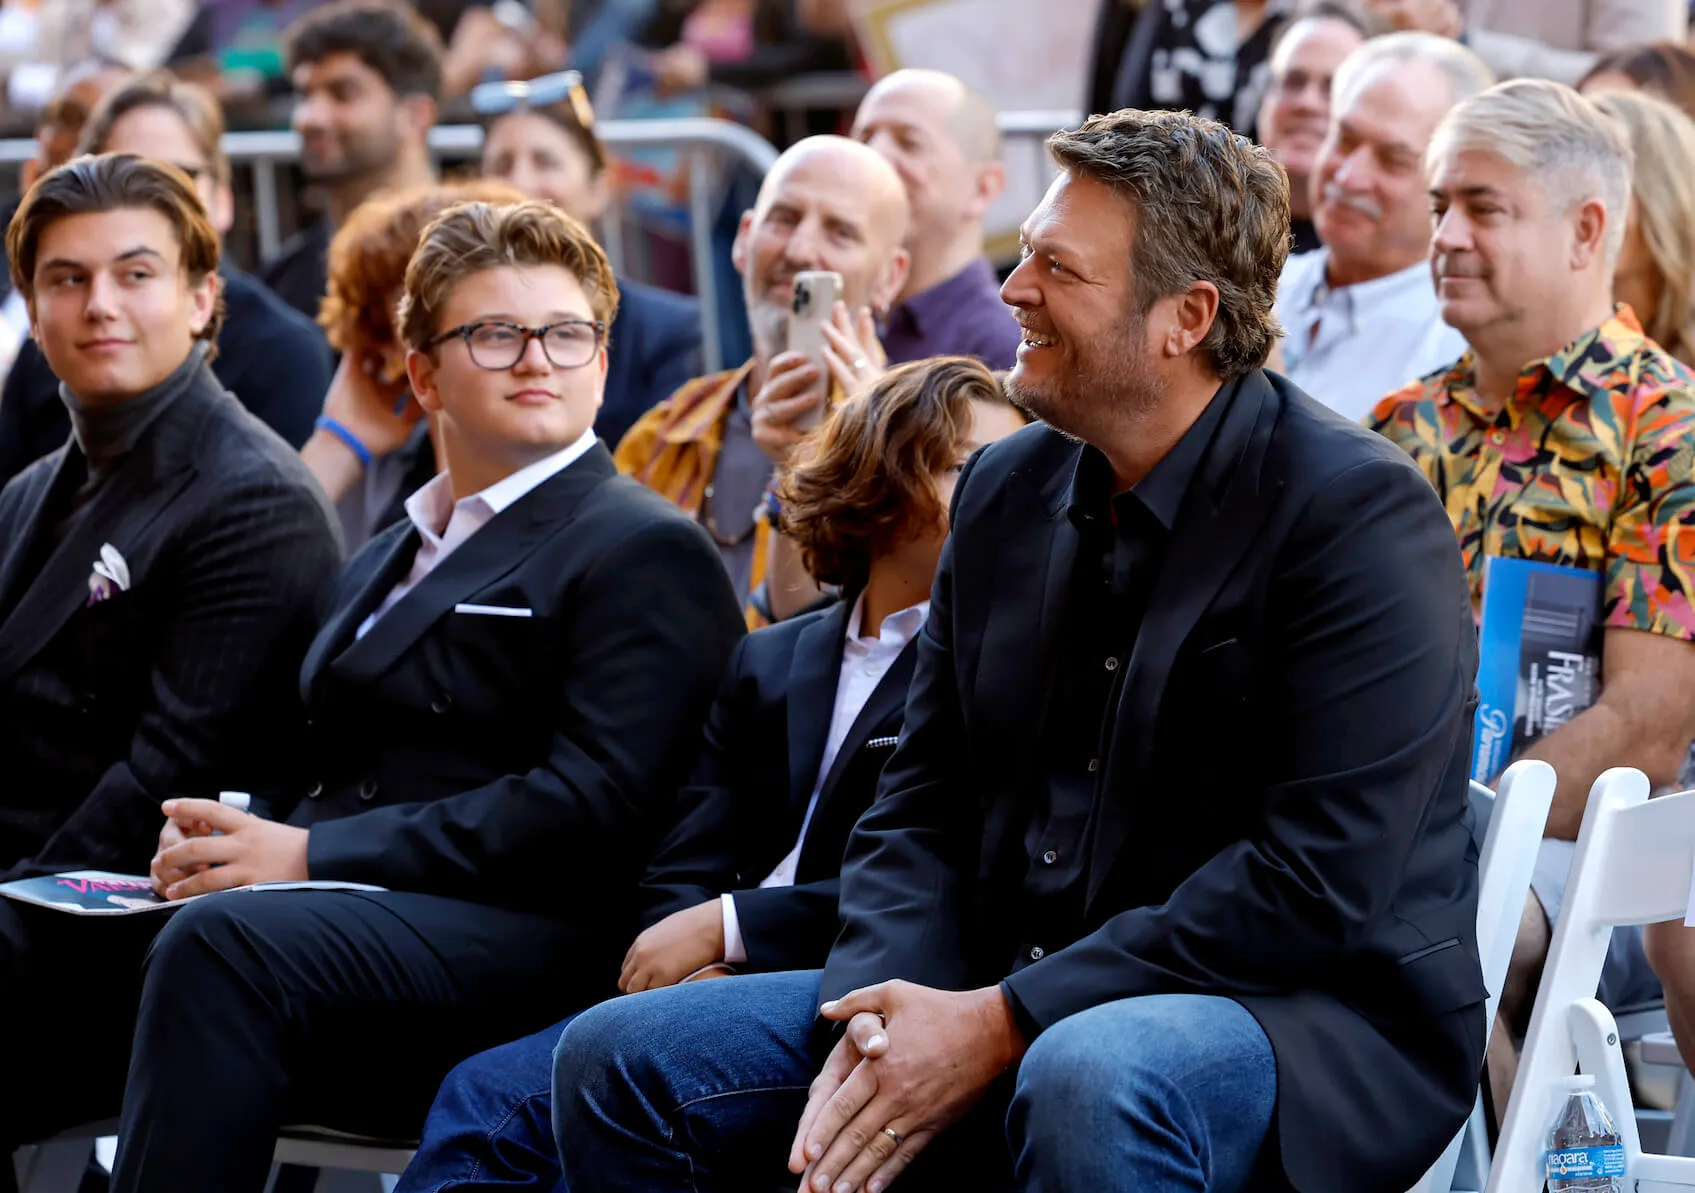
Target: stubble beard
[{"x": 1110, "y": 386}]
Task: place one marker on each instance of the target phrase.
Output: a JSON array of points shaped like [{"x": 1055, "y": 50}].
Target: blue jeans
[
  {"x": 699, "y": 1087},
  {"x": 491, "y": 1125}
]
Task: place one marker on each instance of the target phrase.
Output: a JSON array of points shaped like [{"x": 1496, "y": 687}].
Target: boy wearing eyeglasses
[{"x": 505, "y": 691}]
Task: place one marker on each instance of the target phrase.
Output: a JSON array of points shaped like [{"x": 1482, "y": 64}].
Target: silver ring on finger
[
  {"x": 893, "y": 1134},
  {"x": 859, "y": 363}
]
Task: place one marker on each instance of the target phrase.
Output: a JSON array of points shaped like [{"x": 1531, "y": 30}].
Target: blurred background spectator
[
  {"x": 539, "y": 136},
  {"x": 1549, "y": 39},
  {"x": 1295, "y": 114},
  {"x": 45, "y": 43},
  {"x": 1211, "y": 57},
  {"x": 1665, "y": 68},
  {"x": 1655, "y": 273},
  {"x": 367, "y": 78}
]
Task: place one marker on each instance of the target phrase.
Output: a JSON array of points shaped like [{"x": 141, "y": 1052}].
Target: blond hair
[
  {"x": 472, "y": 237},
  {"x": 1552, "y": 133},
  {"x": 1664, "y": 184}
]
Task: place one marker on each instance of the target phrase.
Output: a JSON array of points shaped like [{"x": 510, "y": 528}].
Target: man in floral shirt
[{"x": 1563, "y": 435}]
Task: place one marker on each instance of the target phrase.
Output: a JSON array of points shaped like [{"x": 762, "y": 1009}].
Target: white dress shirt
[
  {"x": 864, "y": 661},
  {"x": 444, "y": 524},
  {"x": 1351, "y": 346}
]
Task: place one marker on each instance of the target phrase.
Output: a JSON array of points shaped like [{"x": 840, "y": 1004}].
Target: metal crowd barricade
[{"x": 700, "y": 139}]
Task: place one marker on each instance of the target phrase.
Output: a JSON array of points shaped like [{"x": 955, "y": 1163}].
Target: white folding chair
[
  {"x": 1504, "y": 865},
  {"x": 346, "y": 1163},
  {"x": 1632, "y": 866}
]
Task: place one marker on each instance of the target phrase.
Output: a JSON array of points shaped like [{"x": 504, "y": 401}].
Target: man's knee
[
  {"x": 593, "y": 1043},
  {"x": 206, "y": 933},
  {"x": 1160, "y": 1066}
]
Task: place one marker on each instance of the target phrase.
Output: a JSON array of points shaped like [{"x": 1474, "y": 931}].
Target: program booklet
[
  {"x": 1539, "y": 656},
  {"x": 99, "y": 892}
]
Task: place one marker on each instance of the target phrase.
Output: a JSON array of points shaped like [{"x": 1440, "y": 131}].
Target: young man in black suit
[
  {"x": 157, "y": 580},
  {"x": 1169, "y": 883},
  {"x": 160, "y": 117},
  {"x": 746, "y": 879},
  {"x": 501, "y": 698}
]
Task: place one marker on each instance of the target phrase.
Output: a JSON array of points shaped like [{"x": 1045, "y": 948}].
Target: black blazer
[
  {"x": 273, "y": 359},
  {"x": 745, "y": 803},
  {"x": 654, "y": 348},
  {"x": 518, "y": 761},
  {"x": 1285, "y": 812},
  {"x": 185, "y": 682}
]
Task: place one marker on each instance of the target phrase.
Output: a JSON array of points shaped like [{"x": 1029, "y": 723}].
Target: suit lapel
[
  {"x": 30, "y": 505},
  {"x": 379, "y": 568},
  {"x": 120, "y": 513},
  {"x": 886, "y": 702},
  {"x": 494, "y": 551},
  {"x": 1216, "y": 524},
  {"x": 1014, "y": 678},
  {"x": 814, "y": 671}
]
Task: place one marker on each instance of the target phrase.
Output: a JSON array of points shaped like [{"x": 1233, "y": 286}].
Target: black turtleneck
[{"x": 106, "y": 435}]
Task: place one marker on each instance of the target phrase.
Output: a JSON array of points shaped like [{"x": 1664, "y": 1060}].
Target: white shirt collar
[
  {"x": 1385, "y": 290},
  {"x": 899, "y": 627},
  {"x": 432, "y": 506}
]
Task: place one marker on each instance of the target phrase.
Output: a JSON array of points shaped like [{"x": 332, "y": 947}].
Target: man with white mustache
[{"x": 1359, "y": 314}]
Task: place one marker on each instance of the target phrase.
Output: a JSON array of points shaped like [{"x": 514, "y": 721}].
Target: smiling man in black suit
[
  {"x": 1169, "y": 883},
  {"x": 157, "y": 580},
  {"x": 503, "y": 696}
]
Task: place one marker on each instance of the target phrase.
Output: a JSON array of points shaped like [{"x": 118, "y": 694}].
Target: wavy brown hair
[
  {"x": 368, "y": 258},
  {"x": 866, "y": 480}
]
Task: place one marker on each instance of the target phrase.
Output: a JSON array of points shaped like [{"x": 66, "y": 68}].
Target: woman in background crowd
[
  {"x": 539, "y": 136},
  {"x": 372, "y": 449},
  {"x": 1655, "y": 273},
  {"x": 1665, "y": 68}
]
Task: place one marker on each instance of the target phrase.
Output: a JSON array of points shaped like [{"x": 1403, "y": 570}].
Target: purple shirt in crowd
[{"x": 963, "y": 316}]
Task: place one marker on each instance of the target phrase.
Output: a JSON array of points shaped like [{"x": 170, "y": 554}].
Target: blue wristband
[{"x": 326, "y": 423}]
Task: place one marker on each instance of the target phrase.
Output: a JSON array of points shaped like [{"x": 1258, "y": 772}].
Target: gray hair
[
  {"x": 1467, "y": 74},
  {"x": 1552, "y": 133}
]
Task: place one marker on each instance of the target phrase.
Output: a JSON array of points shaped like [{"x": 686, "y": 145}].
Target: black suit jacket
[
  {"x": 1284, "y": 811},
  {"x": 746, "y": 800},
  {"x": 654, "y": 348},
  {"x": 518, "y": 761},
  {"x": 273, "y": 359},
  {"x": 184, "y": 682}
]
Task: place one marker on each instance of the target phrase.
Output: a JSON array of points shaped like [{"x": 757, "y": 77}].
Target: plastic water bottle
[{"x": 1585, "y": 1154}]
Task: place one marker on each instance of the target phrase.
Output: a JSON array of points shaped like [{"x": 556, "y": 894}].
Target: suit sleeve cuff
[
  {"x": 1027, "y": 1025},
  {"x": 735, "y": 953}
]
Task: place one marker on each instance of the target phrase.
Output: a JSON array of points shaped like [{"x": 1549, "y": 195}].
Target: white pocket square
[
  {"x": 494, "y": 610},
  {"x": 110, "y": 575}
]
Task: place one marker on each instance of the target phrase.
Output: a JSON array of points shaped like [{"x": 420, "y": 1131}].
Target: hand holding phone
[{"x": 816, "y": 293}]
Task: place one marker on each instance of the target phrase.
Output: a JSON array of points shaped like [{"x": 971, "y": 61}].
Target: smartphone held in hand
[{"x": 816, "y": 293}]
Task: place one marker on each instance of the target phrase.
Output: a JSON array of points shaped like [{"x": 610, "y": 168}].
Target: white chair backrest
[
  {"x": 1504, "y": 866},
  {"x": 1631, "y": 866}
]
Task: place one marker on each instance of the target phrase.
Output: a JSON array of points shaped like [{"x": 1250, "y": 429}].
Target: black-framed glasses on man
[{"x": 495, "y": 344}]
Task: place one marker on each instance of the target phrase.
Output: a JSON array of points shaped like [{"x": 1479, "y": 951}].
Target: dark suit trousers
[
  {"x": 337, "y": 1008},
  {"x": 68, "y": 991}
]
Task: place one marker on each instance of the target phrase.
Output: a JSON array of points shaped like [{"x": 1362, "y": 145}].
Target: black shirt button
[
  {"x": 368, "y": 790},
  {"x": 1036, "y": 954},
  {"x": 316, "y": 792},
  {"x": 1050, "y": 857},
  {"x": 441, "y": 703},
  {"x": 1112, "y": 664}
]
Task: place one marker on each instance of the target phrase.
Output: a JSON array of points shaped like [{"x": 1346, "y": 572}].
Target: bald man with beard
[{"x": 829, "y": 203}]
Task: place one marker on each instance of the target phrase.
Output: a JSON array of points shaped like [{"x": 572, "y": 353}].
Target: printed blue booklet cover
[
  {"x": 98, "y": 892},
  {"x": 1539, "y": 657}
]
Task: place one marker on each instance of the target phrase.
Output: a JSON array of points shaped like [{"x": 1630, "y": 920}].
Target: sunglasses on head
[{"x": 496, "y": 99}]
